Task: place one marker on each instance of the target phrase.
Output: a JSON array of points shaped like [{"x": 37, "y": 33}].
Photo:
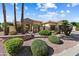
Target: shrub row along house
[{"x": 35, "y": 26}]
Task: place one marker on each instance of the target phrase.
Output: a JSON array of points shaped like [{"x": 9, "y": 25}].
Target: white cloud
[
  {"x": 68, "y": 11},
  {"x": 68, "y": 5},
  {"x": 62, "y": 11},
  {"x": 62, "y": 15},
  {"x": 50, "y": 5},
  {"x": 45, "y": 6},
  {"x": 33, "y": 14},
  {"x": 43, "y": 9},
  {"x": 74, "y": 4},
  {"x": 8, "y": 16},
  {"x": 52, "y": 13},
  {"x": 48, "y": 15},
  {"x": 45, "y": 16},
  {"x": 17, "y": 8},
  {"x": 27, "y": 13},
  {"x": 38, "y": 5}
]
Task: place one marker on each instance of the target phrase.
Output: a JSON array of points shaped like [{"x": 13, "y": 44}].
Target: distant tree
[
  {"x": 67, "y": 27},
  {"x": 64, "y": 22},
  {"x": 74, "y": 23}
]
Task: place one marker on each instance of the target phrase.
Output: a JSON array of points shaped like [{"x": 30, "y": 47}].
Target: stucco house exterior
[{"x": 50, "y": 25}]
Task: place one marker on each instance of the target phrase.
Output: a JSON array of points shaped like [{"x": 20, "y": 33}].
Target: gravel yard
[{"x": 68, "y": 42}]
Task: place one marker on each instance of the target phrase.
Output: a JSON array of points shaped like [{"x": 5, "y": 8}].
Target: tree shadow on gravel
[
  {"x": 25, "y": 51},
  {"x": 50, "y": 51}
]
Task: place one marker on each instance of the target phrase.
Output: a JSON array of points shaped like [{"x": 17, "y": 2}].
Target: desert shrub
[
  {"x": 36, "y": 28},
  {"x": 68, "y": 29},
  {"x": 3, "y": 25},
  {"x": 25, "y": 29},
  {"x": 45, "y": 32},
  {"x": 18, "y": 28},
  {"x": 13, "y": 45},
  {"x": 39, "y": 48},
  {"x": 12, "y": 33},
  {"x": 1, "y": 29},
  {"x": 77, "y": 27},
  {"x": 54, "y": 39},
  {"x": 7, "y": 30},
  {"x": 35, "y": 25}
]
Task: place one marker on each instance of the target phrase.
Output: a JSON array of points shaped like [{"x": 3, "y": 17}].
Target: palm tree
[
  {"x": 22, "y": 17},
  {"x": 4, "y": 16},
  {"x": 15, "y": 23}
]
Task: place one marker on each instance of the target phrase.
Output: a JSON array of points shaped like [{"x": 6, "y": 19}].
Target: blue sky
[{"x": 43, "y": 11}]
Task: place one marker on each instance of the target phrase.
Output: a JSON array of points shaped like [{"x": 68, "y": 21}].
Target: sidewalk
[
  {"x": 69, "y": 52},
  {"x": 2, "y": 51}
]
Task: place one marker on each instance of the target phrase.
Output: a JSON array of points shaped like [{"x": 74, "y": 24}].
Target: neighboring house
[
  {"x": 29, "y": 22},
  {"x": 50, "y": 25}
]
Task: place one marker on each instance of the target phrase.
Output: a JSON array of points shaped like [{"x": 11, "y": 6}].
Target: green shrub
[
  {"x": 39, "y": 48},
  {"x": 13, "y": 45},
  {"x": 12, "y": 33},
  {"x": 45, "y": 32},
  {"x": 54, "y": 39}
]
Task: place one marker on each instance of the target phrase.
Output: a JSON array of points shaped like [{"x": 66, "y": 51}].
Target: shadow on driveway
[{"x": 73, "y": 37}]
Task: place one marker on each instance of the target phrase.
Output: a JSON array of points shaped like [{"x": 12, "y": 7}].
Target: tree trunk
[
  {"x": 22, "y": 17},
  {"x": 4, "y": 17},
  {"x": 15, "y": 23}
]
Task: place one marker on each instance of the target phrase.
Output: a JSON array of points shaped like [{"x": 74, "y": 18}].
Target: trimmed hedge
[
  {"x": 45, "y": 32},
  {"x": 54, "y": 39},
  {"x": 39, "y": 48},
  {"x": 13, "y": 45}
]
